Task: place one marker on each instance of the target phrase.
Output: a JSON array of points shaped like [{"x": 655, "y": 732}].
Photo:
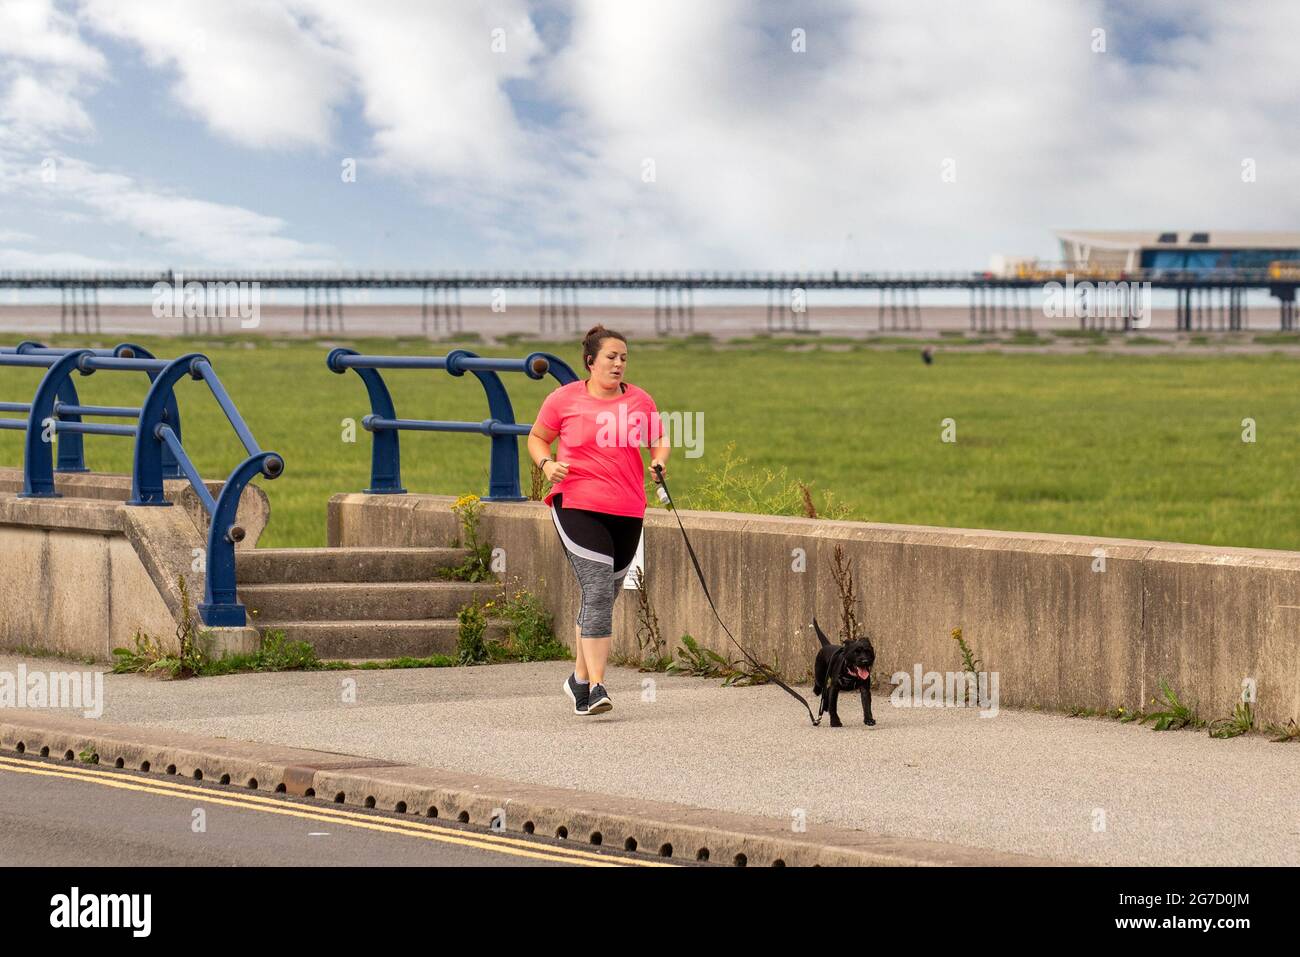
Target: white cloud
[
  {"x": 275, "y": 74},
  {"x": 36, "y": 31},
  {"x": 763, "y": 157},
  {"x": 832, "y": 158},
  {"x": 252, "y": 71},
  {"x": 430, "y": 84},
  {"x": 192, "y": 228},
  {"x": 49, "y": 68},
  {"x": 182, "y": 229},
  {"x": 26, "y": 259},
  {"x": 45, "y": 69},
  {"x": 51, "y": 107}
]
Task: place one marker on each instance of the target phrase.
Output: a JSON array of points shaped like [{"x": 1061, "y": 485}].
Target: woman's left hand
[{"x": 655, "y": 469}]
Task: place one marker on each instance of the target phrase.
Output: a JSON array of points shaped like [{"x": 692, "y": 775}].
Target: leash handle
[{"x": 667, "y": 498}]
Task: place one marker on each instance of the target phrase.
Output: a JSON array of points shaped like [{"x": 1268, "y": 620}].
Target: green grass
[{"x": 1126, "y": 445}]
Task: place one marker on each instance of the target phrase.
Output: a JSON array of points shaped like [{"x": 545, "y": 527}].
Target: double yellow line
[{"x": 497, "y": 843}]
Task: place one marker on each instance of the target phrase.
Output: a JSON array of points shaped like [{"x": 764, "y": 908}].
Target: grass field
[{"x": 1126, "y": 445}]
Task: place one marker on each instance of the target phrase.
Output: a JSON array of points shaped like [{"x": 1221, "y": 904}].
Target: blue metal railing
[
  {"x": 67, "y": 408},
  {"x": 55, "y": 411},
  {"x": 384, "y": 425}
]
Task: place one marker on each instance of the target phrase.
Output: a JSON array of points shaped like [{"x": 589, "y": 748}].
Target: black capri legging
[{"x": 600, "y": 549}]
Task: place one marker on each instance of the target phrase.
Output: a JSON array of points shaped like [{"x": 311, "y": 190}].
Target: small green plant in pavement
[
  {"x": 1241, "y": 722},
  {"x": 471, "y": 643},
  {"x": 698, "y": 661},
  {"x": 745, "y": 673},
  {"x": 433, "y": 661},
  {"x": 477, "y": 566},
  {"x": 530, "y": 634},
  {"x": 275, "y": 652},
  {"x": 652, "y": 652},
  {"x": 148, "y": 656},
  {"x": 969, "y": 663},
  {"x": 1284, "y": 733},
  {"x": 1175, "y": 714},
  {"x": 142, "y": 658}
]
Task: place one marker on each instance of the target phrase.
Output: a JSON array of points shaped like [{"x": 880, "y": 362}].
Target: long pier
[{"x": 1205, "y": 299}]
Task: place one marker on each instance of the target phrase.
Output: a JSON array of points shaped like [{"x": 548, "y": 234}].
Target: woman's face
[{"x": 610, "y": 363}]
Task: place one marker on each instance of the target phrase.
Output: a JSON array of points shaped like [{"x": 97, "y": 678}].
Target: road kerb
[{"x": 652, "y": 827}]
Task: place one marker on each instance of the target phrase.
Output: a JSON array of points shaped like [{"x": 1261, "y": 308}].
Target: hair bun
[{"x": 591, "y": 342}]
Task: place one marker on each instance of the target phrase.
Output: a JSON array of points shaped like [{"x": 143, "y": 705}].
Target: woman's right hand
[{"x": 555, "y": 471}]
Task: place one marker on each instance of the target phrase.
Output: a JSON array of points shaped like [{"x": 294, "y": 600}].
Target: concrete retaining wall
[
  {"x": 1059, "y": 633},
  {"x": 82, "y": 593},
  {"x": 79, "y": 575}
]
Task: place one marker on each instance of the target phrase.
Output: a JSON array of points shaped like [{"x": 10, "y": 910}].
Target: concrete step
[
  {"x": 358, "y": 640},
  {"x": 283, "y": 565},
  {"x": 362, "y": 601}
]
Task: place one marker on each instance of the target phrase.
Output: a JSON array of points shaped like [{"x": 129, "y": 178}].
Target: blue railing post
[
  {"x": 72, "y": 454},
  {"x": 385, "y": 451},
  {"x": 500, "y": 427},
  {"x": 147, "y": 470},
  {"x": 221, "y": 607},
  {"x": 38, "y": 462},
  {"x": 503, "y": 477},
  {"x": 171, "y": 414}
]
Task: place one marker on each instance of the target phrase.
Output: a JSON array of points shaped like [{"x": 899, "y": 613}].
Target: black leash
[{"x": 771, "y": 675}]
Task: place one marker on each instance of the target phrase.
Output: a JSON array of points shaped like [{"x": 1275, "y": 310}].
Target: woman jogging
[{"x": 597, "y": 496}]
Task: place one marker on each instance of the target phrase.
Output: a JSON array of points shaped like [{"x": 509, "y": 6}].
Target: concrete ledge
[
  {"x": 253, "y": 514},
  {"x": 82, "y": 515},
  {"x": 691, "y": 833},
  {"x": 81, "y": 575},
  {"x": 1034, "y": 607}
]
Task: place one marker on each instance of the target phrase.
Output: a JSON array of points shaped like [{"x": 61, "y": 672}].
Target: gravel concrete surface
[{"x": 1072, "y": 789}]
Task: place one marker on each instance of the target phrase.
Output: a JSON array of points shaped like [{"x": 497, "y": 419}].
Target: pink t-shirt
[{"x": 600, "y": 441}]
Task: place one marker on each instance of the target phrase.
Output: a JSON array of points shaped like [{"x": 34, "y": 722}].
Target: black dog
[{"x": 845, "y": 667}]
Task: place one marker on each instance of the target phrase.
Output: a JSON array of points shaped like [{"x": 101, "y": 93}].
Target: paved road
[
  {"x": 53, "y": 814},
  {"x": 1071, "y": 789}
]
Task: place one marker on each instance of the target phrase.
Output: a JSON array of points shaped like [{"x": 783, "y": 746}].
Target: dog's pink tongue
[{"x": 862, "y": 673}]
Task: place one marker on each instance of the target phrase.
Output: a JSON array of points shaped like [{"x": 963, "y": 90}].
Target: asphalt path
[
  {"x": 54, "y": 814},
  {"x": 1076, "y": 790}
]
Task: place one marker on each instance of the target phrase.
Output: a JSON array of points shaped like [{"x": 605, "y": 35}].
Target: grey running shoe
[
  {"x": 577, "y": 693},
  {"x": 598, "y": 700}
]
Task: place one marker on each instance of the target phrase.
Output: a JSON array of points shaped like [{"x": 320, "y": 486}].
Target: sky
[{"x": 607, "y": 134}]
